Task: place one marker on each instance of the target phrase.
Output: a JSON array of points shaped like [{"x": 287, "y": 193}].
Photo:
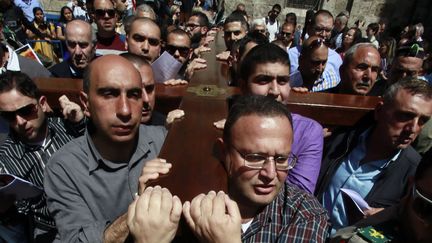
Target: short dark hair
[
  {"x": 253, "y": 105},
  {"x": 318, "y": 13},
  {"x": 35, "y": 9},
  {"x": 179, "y": 32},
  {"x": 374, "y": 27},
  {"x": 21, "y": 82},
  {"x": 202, "y": 18},
  {"x": 254, "y": 37},
  {"x": 413, "y": 85},
  {"x": 411, "y": 49},
  {"x": 262, "y": 54},
  {"x": 278, "y": 6},
  {"x": 237, "y": 17},
  {"x": 292, "y": 18}
]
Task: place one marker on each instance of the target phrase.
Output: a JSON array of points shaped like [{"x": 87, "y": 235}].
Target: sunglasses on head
[
  {"x": 414, "y": 50},
  {"x": 102, "y": 12},
  {"x": 24, "y": 112},
  {"x": 183, "y": 51},
  {"x": 317, "y": 43}
]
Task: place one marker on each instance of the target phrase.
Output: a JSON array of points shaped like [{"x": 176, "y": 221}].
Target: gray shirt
[{"x": 85, "y": 192}]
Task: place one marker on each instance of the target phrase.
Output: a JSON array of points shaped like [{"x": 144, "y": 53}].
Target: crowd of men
[{"x": 289, "y": 179}]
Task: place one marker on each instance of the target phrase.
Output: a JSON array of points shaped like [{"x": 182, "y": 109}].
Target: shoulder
[
  {"x": 152, "y": 135},
  {"x": 60, "y": 70},
  {"x": 410, "y": 156},
  {"x": 303, "y": 205},
  {"x": 305, "y": 123},
  {"x": 71, "y": 155}
]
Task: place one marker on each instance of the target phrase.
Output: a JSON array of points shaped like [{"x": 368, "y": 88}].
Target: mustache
[{"x": 146, "y": 107}]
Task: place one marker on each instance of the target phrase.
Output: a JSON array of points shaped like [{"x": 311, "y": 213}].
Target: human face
[
  {"x": 30, "y": 126},
  {"x": 105, "y": 16},
  {"x": 269, "y": 79},
  {"x": 233, "y": 32},
  {"x": 287, "y": 34},
  {"x": 405, "y": 67},
  {"x": 144, "y": 40},
  {"x": 271, "y": 136},
  {"x": 39, "y": 16},
  {"x": 417, "y": 212},
  {"x": 193, "y": 27},
  {"x": 179, "y": 47},
  {"x": 313, "y": 65},
  {"x": 79, "y": 44},
  {"x": 323, "y": 27},
  {"x": 360, "y": 74},
  {"x": 369, "y": 32},
  {"x": 261, "y": 29},
  {"x": 114, "y": 101},
  {"x": 67, "y": 14},
  {"x": 149, "y": 98},
  {"x": 349, "y": 37},
  {"x": 401, "y": 121}
]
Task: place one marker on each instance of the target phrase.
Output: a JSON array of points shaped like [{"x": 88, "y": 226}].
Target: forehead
[
  {"x": 178, "y": 40},
  {"x": 259, "y": 26},
  {"x": 193, "y": 20},
  {"x": 114, "y": 75},
  {"x": 145, "y": 28},
  {"x": 233, "y": 26},
  {"x": 412, "y": 63},
  {"x": 146, "y": 75},
  {"x": 366, "y": 55},
  {"x": 103, "y": 4},
  {"x": 351, "y": 32},
  {"x": 13, "y": 99},
  {"x": 323, "y": 21},
  {"x": 78, "y": 32},
  {"x": 321, "y": 52},
  {"x": 269, "y": 68},
  {"x": 288, "y": 27}
]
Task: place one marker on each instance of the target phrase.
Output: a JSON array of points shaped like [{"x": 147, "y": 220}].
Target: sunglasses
[
  {"x": 24, "y": 112},
  {"x": 236, "y": 32},
  {"x": 73, "y": 44},
  {"x": 100, "y": 13},
  {"x": 422, "y": 206},
  {"x": 317, "y": 43},
  {"x": 183, "y": 51},
  {"x": 414, "y": 50},
  {"x": 192, "y": 26}
]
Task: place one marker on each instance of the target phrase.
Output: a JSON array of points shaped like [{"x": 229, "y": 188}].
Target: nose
[
  {"x": 145, "y": 46},
  {"x": 268, "y": 171},
  {"x": 274, "y": 88},
  {"x": 413, "y": 126},
  {"x": 176, "y": 54},
  {"x": 367, "y": 73},
  {"x": 123, "y": 108},
  {"x": 145, "y": 97},
  {"x": 20, "y": 121}
]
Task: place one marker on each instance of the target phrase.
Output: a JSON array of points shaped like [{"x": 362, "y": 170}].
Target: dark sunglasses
[
  {"x": 192, "y": 26},
  {"x": 100, "y": 13},
  {"x": 183, "y": 51},
  {"x": 422, "y": 206},
  {"x": 414, "y": 50},
  {"x": 73, "y": 44},
  {"x": 24, "y": 112}
]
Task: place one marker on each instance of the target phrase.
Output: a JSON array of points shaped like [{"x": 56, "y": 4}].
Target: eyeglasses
[
  {"x": 100, "y": 13},
  {"x": 24, "y": 112},
  {"x": 317, "y": 43},
  {"x": 257, "y": 161},
  {"x": 141, "y": 38},
  {"x": 73, "y": 44},
  {"x": 192, "y": 26},
  {"x": 422, "y": 205},
  {"x": 318, "y": 29},
  {"x": 183, "y": 51}
]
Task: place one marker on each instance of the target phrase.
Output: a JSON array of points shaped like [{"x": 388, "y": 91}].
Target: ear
[
  {"x": 84, "y": 103},
  {"x": 43, "y": 103},
  {"x": 222, "y": 154},
  {"x": 204, "y": 30}
]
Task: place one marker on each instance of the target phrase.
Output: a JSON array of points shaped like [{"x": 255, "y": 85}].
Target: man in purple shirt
[{"x": 265, "y": 71}]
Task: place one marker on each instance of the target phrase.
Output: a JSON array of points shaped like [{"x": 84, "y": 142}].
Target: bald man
[
  {"x": 81, "y": 46},
  {"x": 97, "y": 174},
  {"x": 144, "y": 39}
]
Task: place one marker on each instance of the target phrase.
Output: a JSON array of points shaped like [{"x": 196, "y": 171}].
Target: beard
[{"x": 196, "y": 38}]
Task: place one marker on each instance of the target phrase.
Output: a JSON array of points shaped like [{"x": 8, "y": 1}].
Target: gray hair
[
  {"x": 256, "y": 22},
  {"x": 349, "y": 54},
  {"x": 145, "y": 9},
  {"x": 414, "y": 86}
]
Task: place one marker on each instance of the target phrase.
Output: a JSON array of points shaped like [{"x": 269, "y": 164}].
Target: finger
[
  {"x": 187, "y": 215},
  {"x": 166, "y": 203},
  {"x": 131, "y": 211},
  {"x": 219, "y": 204},
  {"x": 142, "y": 207},
  {"x": 155, "y": 200},
  {"x": 195, "y": 207},
  {"x": 176, "y": 209},
  {"x": 207, "y": 204},
  {"x": 232, "y": 208}
]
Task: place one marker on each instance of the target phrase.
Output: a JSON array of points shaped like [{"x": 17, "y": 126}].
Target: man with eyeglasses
[
  {"x": 312, "y": 63},
  {"x": 260, "y": 205},
  {"x": 81, "y": 46},
  {"x": 271, "y": 22},
  {"x": 143, "y": 39},
  {"x": 408, "y": 221},
  {"x": 108, "y": 40},
  {"x": 235, "y": 28},
  {"x": 375, "y": 157},
  {"x": 197, "y": 27},
  {"x": 321, "y": 26},
  {"x": 32, "y": 139}
]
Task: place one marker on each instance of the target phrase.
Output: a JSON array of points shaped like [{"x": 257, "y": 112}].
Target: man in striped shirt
[{"x": 32, "y": 140}]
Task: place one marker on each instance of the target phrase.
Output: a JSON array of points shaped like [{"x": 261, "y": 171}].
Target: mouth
[
  {"x": 264, "y": 189},
  {"x": 122, "y": 129}
]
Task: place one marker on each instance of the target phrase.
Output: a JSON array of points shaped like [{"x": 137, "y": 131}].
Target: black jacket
[{"x": 392, "y": 183}]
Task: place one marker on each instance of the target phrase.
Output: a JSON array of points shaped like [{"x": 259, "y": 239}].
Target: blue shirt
[
  {"x": 27, "y": 7},
  {"x": 355, "y": 176},
  {"x": 327, "y": 80},
  {"x": 331, "y": 72}
]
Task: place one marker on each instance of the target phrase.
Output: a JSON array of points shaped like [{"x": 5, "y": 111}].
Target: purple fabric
[{"x": 308, "y": 146}]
